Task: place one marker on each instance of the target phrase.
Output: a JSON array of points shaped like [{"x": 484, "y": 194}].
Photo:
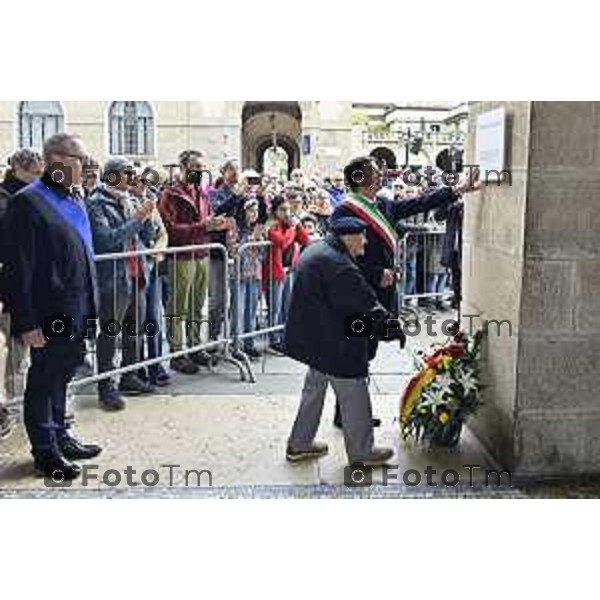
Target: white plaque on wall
[{"x": 490, "y": 138}]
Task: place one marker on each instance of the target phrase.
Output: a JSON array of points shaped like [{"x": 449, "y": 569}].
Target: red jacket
[
  {"x": 284, "y": 240},
  {"x": 184, "y": 211}
]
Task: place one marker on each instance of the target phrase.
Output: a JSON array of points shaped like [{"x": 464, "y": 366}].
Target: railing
[
  {"x": 229, "y": 340},
  {"x": 266, "y": 304},
  {"x": 423, "y": 279},
  {"x": 223, "y": 342}
]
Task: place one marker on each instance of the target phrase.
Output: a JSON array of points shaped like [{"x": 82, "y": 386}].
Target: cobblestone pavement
[{"x": 238, "y": 431}]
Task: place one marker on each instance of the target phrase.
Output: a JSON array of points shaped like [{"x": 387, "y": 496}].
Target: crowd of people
[{"x": 117, "y": 208}]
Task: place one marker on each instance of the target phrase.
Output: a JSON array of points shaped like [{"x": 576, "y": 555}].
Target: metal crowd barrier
[
  {"x": 422, "y": 277},
  {"x": 264, "y": 312},
  {"x": 223, "y": 342},
  {"x": 229, "y": 342}
]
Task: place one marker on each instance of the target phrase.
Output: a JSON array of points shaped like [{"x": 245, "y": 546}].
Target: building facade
[
  {"x": 409, "y": 133},
  {"x": 317, "y": 136},
  {"x": 314, "y": 135}
]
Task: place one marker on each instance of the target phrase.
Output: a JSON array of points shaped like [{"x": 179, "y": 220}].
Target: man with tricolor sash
[{"x": 363, "y": 178}]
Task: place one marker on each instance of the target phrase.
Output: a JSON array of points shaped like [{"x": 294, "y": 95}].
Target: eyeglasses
[{"x": 79, "y": 157}]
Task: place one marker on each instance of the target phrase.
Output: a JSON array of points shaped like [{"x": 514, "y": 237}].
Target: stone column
[{"x": 532, "y": 256}]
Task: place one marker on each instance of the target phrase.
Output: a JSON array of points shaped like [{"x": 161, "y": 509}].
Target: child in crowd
[
  {"x": 286, "y": 235},
  {"x": 309, "y": 222},
  {"x": 245, "y": 298}
]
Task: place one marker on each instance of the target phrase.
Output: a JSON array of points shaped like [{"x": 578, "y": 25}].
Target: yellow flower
[{"x": 444, "y": 417}]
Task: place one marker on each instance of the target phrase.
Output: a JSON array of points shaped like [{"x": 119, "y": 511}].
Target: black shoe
[
  {"x": 160, "y": 379},
  {"x": 253, "y": 353},
  {"x": 183, "y": 364},
  {"x": 277, "y": 349},
  {"x": 73, "y": 449},
  {"x": 110, "y": 399},
  {"x": 214, "y": 354},
  {"x": 202, "y": 358},
  {"x": 55, "y": 466},
  {"x": 131, "y": 384}
]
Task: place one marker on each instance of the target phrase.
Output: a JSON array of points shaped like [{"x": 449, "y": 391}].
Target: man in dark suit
[
  {"x": 49, "y": 282},
  {"x": 363, "y": 178}
]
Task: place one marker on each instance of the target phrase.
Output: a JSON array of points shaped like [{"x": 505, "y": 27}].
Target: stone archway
[{"x": 258, "y": 121}]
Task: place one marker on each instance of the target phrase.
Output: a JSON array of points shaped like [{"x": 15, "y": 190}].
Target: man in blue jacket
[
  {"x": 49, "y": 282},
  {"x": 119, "y": 225}
]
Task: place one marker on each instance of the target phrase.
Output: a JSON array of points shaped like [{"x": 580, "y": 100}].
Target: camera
[
  {"x": 57, "y": 479},
  {"x": 61, "y": 174},
  {"x": 358, "y": 325},
  {"x": 57, "y": 325},
  {"x": 194, "y": 177},
  {"x": 358, "y": 475}
]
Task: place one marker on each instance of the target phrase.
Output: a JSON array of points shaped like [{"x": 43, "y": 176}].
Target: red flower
[{"x": 455, "y": 350}]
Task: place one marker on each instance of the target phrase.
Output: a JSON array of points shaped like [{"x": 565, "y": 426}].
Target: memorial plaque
[{"x": 490, "y": 142}]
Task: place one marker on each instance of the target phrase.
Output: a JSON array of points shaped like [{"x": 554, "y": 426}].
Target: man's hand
[
  {"x": 34, "y": 339},
  {"x": 388, "y": 278},
  {"x": 144, "y": 210},
  {"x": 259, "y": 233}
]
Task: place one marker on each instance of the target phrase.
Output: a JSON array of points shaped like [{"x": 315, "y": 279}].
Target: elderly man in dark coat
[{"x": 330, "y": 293}]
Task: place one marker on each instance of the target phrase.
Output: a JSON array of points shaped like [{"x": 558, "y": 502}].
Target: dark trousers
[
  {"x": 456, "y": 278},
  {"x": 51, "y": 369}
]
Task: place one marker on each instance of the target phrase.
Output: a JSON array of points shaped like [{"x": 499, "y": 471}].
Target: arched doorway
[
  {"x": 260, "y": 120},
  {"x": 385, "y": 156}
]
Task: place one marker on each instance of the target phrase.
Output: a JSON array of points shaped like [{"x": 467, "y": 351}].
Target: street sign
[{"x": 306, "y": 144}]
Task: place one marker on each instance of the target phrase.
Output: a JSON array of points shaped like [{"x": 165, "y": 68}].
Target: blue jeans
[
  {"x": 436, "y": 283},
  {"x": 154, "y": 312},
  {"x": 247, "y": 303}
]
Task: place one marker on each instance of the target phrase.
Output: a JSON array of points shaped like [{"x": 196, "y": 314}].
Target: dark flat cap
[{"x": 346, "y": 225}]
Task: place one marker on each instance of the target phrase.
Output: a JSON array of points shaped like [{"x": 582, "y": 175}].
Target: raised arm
[{"x": 396, "y": 211}]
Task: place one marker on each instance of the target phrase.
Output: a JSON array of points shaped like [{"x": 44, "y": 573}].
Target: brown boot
[{"x": 316, "y": 450}]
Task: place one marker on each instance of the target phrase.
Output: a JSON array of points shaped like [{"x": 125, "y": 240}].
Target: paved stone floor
[{"x": 238, "y": 431}]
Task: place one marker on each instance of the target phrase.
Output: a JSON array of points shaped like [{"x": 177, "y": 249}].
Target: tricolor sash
[{"x": 368, "y": 212}]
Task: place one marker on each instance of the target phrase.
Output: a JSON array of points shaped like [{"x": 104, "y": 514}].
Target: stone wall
[{"x": 531, "y": 255}]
